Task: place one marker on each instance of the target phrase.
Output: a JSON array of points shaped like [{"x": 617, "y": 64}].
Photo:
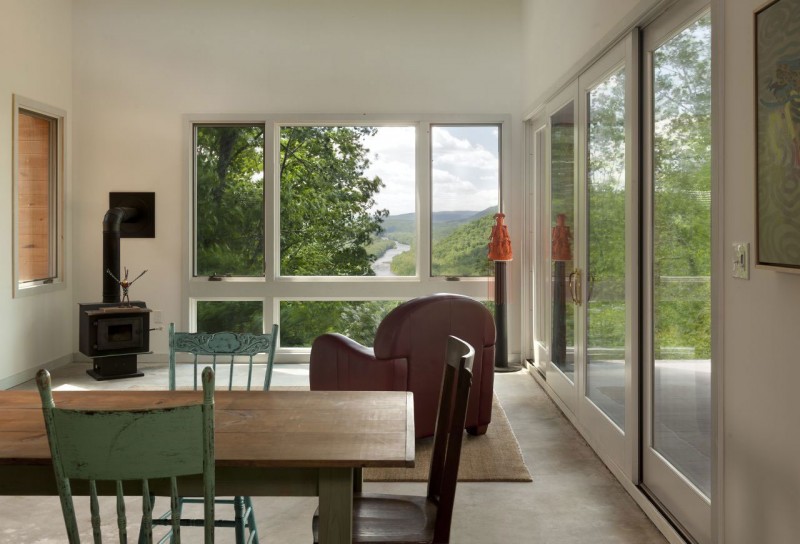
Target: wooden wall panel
[{"x": 34, "y": 186}]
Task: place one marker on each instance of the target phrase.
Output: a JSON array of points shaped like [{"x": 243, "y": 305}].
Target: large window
[
  {"x": 465, "y": 176},
  {"x": 347, "y": 200},
  {"x": 229, "y": 173},
  {"x": 38, "y": 182},
  {"x": 325, "y": 226}
]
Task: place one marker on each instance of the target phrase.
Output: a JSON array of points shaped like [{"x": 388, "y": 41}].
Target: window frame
[
  {"x": 274, "y": 288},
  {"x": 57, "y": 183},
  {"x": 500, "y": 207}
]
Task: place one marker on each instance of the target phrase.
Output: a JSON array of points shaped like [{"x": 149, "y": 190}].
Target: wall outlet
[
  {"x": 157, "y": 317},
  {"x": 741, "y": 260}
]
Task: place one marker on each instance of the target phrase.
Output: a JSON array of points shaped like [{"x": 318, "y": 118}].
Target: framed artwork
[{"x": 777, "y": 109}]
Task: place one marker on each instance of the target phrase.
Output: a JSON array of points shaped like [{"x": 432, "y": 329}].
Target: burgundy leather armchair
[{"x": 408, "y": 355}]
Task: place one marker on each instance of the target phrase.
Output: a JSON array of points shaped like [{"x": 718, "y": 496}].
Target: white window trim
[
  {"x": 274, "y": 288},
  {"x": 21, "y": 289}
]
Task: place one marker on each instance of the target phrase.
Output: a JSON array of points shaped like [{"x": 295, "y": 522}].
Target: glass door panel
[
  {"x": 562, "y": 218},
  {"x": 682, "y": 253},
  {"x": 606, "y": 225},
  {"x": 676, "y": 457}
]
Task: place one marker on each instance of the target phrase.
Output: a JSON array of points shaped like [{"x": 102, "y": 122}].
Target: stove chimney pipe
[{"x": 111, "y": 233}]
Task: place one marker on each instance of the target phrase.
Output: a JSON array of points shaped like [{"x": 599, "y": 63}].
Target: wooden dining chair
[
  {"x": 234, "y": 350},
  {"x": 126, "y": 449},
  {"x": 404, "y": 519}
]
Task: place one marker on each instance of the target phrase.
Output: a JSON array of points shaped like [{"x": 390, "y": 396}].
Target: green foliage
[
  {"x": 230, "y": 200},
  {"x": 404, "y": 223},
  {"x": 230, "y": 315},
  {"x": 379, "y": 246},
  {"x": 301, "y": 322},
  {"x": 326, "y": 222},
  {"x": 682, "y": 203},
  {"x": 407, "y": 238},
  {"x": 464, "y": 251},
  {"x": 405, "y": 264}
]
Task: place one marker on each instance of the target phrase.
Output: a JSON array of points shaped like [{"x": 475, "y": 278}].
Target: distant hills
[
  {"x": 459, "y": 241},
  {"x": 401, "y": 227}
]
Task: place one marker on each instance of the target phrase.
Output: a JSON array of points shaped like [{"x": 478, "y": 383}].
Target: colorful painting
[{"x": 777, "y": 66}]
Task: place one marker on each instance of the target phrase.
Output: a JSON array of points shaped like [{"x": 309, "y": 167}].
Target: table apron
[{"x": 253, "y": 481}]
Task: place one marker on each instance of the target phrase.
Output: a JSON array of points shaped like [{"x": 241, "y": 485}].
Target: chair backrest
[
  {"x": 112, "y": 447},
  {"x": 418, "y": 329},
  {"x": 224, "y": 348},
  {"x": 456, "y": 384}
]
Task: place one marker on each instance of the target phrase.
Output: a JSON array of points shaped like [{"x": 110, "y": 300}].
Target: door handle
[{"x": 575, "y": 286}]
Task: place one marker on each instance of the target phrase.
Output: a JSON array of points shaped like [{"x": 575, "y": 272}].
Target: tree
[
  {"x": 327, "y": 217},
  {"x": 328, "y": 221},
  {"x": 682, "y": 191},
  {"x": 230, "y": 200}
]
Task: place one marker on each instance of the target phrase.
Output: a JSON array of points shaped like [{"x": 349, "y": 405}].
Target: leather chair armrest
[{"x": 341, "y": 364}]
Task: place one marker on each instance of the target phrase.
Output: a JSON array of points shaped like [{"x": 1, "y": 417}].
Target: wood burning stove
[{"x": 113, "y": 335}]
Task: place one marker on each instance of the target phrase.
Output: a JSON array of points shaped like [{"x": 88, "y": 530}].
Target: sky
[{"x": 465, "y": 167}]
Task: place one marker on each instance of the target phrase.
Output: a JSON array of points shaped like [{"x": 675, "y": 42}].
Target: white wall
[
  {"x": 762, "y": 351},
  {"x": 558, "y": 34},
  {"x": 35, "y": 62},
  {"x": 141, "y": 65}
]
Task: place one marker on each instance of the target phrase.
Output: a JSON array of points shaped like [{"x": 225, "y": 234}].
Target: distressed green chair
[
  {"x": 224, "y": 348},
  {"x": 119, "y": 446}
]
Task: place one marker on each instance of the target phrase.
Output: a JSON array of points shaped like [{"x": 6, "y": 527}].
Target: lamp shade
[{"x": 500, "y": 242}]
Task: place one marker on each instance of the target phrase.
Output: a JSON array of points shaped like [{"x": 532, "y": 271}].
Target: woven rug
[{"x": 492, "y": 457}]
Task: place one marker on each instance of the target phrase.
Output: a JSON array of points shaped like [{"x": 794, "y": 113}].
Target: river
[{"x": 382, "y": 265}]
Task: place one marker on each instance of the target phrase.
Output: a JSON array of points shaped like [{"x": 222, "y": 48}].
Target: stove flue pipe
[{"x": 111, "y": 231}]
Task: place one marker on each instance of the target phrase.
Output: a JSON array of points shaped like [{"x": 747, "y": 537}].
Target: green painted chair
[
  {"x": 109, "y": 448},
  {"x": 224, "y": 348}
]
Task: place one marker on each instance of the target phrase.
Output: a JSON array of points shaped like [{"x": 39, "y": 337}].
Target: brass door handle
[{"x": 575, "y": 286}]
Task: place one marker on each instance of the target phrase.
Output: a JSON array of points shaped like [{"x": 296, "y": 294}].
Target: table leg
[
  {"x": 336, "y": 505},
  {"x": 358, "y": 480}
]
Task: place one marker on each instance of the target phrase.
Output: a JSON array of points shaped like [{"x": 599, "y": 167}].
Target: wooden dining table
[{"x": 268, "y": 443}]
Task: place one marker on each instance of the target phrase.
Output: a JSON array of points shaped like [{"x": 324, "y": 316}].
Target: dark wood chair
[{"x": 404, "y": 519}]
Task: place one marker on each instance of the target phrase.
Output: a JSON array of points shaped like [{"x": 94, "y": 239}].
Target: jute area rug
[{"x": 492, "y": 457}]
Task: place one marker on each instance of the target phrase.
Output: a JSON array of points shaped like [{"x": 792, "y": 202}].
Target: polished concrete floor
[{"x": 573, "y": 498}]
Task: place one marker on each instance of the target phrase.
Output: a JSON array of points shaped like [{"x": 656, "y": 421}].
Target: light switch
[{"x": 741, "y": 260}]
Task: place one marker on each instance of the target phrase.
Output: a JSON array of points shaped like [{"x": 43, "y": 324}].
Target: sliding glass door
[
  {"x": 562, "y": 152},
  {"x": 593, "y": 223},
  {"x": 608, "y": 238},
  {"x": 676, "y": 452},
  {"x": 624, "y": 219}
]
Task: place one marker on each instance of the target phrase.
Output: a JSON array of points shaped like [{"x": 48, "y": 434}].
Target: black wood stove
[
  {"x": 114, "y": 332},
  {"x": 113, "y": 335}
]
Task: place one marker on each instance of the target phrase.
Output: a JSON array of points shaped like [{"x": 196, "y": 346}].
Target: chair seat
[{"x": 390, "y": 519}]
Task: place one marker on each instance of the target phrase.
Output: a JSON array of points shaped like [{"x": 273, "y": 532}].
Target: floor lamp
[{"x": 500, "y": 252}]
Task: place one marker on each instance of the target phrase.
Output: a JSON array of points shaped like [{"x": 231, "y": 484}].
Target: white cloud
[
  {"x": 391, "y": 153},
  {"x": 465, "y": 172}
]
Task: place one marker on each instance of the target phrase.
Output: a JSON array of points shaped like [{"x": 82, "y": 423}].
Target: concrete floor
[{"x": 573, "y": 498}]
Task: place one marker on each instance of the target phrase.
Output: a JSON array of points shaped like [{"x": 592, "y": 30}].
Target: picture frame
[{"x": 777, "y": 120}]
